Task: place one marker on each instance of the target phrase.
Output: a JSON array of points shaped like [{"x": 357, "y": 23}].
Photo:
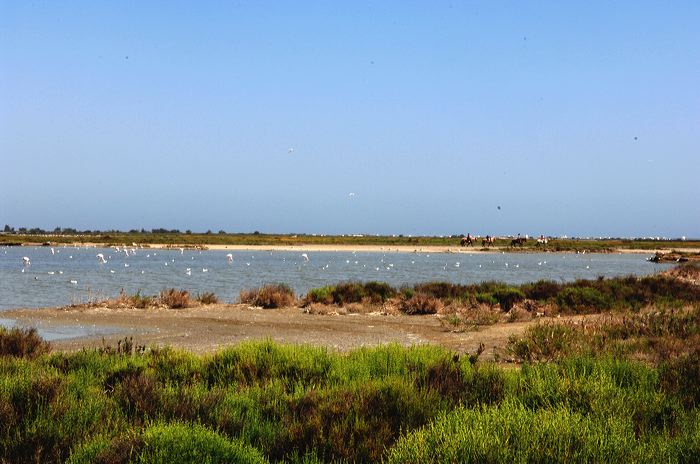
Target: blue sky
[{"x": 574, "y": 119}]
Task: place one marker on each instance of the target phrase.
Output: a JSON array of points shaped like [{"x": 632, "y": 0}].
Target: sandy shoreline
[{"x": 389, "y": 248}]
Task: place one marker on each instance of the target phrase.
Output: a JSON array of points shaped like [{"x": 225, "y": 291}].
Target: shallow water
[
  {"x": 61, "y": 332},
  {"x": 47, "y": 280}
]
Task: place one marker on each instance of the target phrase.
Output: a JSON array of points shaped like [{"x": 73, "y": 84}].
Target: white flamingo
[
  {"x": 101, "y": 258},
  {"x": 229, "y": 257},
  {"x": 306, "y": 257},
  {"x": 25, "y": 261}
]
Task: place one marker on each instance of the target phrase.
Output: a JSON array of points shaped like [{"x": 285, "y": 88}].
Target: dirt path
[{"x": 209, "y": 328}]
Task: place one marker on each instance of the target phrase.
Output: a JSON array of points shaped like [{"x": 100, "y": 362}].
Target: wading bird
[
  {"x": 229, "y": 258},
  {"x": 101, "y": 258},
  {"x": 25, "y": 261}
]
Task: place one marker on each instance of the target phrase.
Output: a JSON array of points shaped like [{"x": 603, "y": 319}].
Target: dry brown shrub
[
  {"x": 325, "y": 309},
  {"x": 460, "y": 319},
  {"x": 22, "y": 343},
  {"x": 421, "y": 304},
  {"x": 269, "y": 296},
  {"x": 689, "y": 272},
  {"x": 207, "y": 298},
  {"x": 525, "y": 310},
  {"x": 175, "y": 299}
]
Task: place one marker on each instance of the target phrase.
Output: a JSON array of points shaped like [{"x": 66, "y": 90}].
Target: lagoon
[{"x": 72, "y": 274}]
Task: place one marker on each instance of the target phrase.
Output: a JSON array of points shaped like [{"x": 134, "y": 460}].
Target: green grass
[{"x": 262, "y": 401}]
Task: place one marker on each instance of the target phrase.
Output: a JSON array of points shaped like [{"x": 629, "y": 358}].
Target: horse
[
  {"x": 487, "y": 241},
  {"x": 467, "y": 241},
  {"x": 542, "y": 241},
  {"x": 520, "y": 241}
]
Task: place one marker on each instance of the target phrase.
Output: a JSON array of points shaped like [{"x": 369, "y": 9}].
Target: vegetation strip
[{"x": 263, "y": 402}]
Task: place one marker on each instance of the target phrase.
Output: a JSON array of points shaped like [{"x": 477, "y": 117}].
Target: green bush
[
  {"x": 165, "y": 444},
  {"x": 486, "y": 298},
  {"x": 195, "y": 444},
  {"x": 348, "y": 292},
  {"x": 379, "y": 292},
  {"x": 508, "y": 296},
  {"x": 583, "y": 300},
  {"x": 323, "y": 295},
  {"x": 513, "y": 434}
]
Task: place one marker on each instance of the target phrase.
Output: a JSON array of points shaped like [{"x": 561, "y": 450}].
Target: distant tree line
[{"x": 71, "y": 231}]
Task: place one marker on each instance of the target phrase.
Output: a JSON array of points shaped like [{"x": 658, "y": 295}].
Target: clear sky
[{"x": 367, "y": 117}]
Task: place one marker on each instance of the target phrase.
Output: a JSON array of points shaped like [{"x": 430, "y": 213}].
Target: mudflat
[{"x": 212, "y": 327}]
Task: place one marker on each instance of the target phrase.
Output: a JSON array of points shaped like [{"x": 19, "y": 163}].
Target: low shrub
[
  {"x": 140, "y": 301},
  {"x": 681, "y": 377},
  {"x": 443, "y": 290},
  {"x": 167, "y": 443},
  {"x": 379, "y": 292},
  {"x": 322, "y": 295},
  {"x": 175, "y": 299},
  {"x": 513, "y": 433},
  {"x": 508, "y": 296},
  {"x": 421, "y": 304},
  {"x": 348, "y": 292},
  {"x": 583, "y": 300},
  {"x": 269, "y": 296},
  {"x": 486, "y": 298},
  {"x": 543, "y": 342},
  {"x": 22, "y": 343},
  {"x": 542, "y": 290},
  {"x": 194, "y": 444},
  {"x": 207, "y": 298}
]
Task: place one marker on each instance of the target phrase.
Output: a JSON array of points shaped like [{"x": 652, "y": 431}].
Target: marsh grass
[
  {"x": 265, "y": 401},
  {"x": 653, "y": 333}
]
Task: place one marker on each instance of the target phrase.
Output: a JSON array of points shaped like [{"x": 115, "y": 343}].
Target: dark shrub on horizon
[{"x": 22, "y": 343}]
